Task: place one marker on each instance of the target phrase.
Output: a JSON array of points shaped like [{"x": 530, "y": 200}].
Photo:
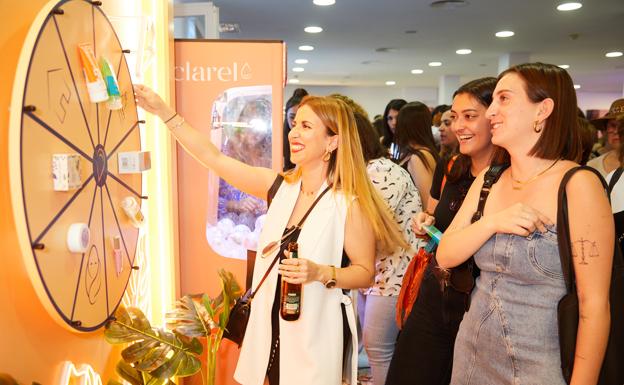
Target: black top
[{"x": 451, "y": 198}]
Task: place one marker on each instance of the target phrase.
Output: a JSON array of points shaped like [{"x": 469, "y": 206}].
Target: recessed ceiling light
[
  {"x": 614, "y": 54},
  {"x": 564, "y": 66},
  {"x": 229, "y": 28},
  {"x": 301, "y": 61},
  {"x": 293, "y": 81},
  {"x": 313, "y": 29},
  {"x": 324, "y": 2},
  {"x": 417, "y": 71},
  {"x": 390, "y": 83},
  {"x": 504, "y": 34},
  {"x": 411, "y": 31},
  {"x": 463, "y": 51},
  {"x": 577, "y": 86},
  {"x": 435, "y": 64},
  {"x": 298, "y": 69},
  {"x": 569, "y": 6},
  {"x": 306, "y": 48}
]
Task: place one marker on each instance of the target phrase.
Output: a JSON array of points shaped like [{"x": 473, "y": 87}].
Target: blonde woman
[{"x": 350, "y": 220}]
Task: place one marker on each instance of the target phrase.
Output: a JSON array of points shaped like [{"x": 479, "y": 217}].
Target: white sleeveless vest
[{"x": 311, "y": 348}]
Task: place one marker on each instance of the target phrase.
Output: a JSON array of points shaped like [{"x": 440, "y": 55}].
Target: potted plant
[{"x": 157, "y": 355}]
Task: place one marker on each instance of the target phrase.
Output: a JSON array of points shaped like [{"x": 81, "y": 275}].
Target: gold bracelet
[{"x": 177, "y": 125}]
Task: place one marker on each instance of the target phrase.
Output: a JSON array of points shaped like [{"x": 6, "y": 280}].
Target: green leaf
[
  {"x": 130, "y": 325},
  {"x": 128, "y": 373},
  {"x": 136, "y": 351},
  {"x": 189, "y": 318}
]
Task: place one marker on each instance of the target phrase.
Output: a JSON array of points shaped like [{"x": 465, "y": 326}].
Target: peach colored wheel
[{"x": 51, "y": 114}]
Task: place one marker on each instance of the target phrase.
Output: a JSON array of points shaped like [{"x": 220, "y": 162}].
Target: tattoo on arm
[{"x": 584, "y": 249}]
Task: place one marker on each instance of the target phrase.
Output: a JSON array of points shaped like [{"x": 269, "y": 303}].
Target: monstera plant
[{"x": 156, "y": 355}]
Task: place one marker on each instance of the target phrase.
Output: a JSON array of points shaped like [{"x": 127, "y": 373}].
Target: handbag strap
[
  {"x": 615, "y": 177},
  {"x": 295, "y": 230},
  {"x": 491, "y": 176},
  {"x": 563, "y": 227}
]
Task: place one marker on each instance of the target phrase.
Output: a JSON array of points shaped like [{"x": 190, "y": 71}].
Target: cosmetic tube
[
  {"x": 114, "y": 96},
  {"x": 95, "y": 83}
]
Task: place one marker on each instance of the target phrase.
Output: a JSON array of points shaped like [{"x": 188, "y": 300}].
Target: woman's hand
[
  {"x": 299, "y": 270},
  {"x": 422, "y": 218},
  {"x": 518, "y": 219},
  {"x": 151, "y": 102}
]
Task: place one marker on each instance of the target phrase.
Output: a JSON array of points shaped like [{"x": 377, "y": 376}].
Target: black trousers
[{"x": 424, "y": 351}]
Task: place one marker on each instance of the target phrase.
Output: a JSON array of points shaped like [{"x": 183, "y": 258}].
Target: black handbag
[
  {"x": 612, "y": 372},
  {"x": 239, "y": 315}
]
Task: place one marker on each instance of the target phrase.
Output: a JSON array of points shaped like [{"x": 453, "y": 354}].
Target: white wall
[
  {"x": 596, "y": 100},
  {"x": 373, "y": 99}
]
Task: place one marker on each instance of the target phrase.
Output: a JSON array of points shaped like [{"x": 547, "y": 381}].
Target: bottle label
[{"x": 291, "y": 303}]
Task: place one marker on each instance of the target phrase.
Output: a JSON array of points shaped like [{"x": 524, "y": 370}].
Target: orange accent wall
[{"x": 32, "y": 345}]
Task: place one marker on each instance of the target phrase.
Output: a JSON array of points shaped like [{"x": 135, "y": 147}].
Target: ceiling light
[
  {"x": 313, "y": 29},
  {"x": 324, "y": 2},
  {"x": 504, "y": 34},
  {"x": 298, "y": 69},
  {"x": 435, "y": 64},
  {"x": 306, "y": 48},
  {"x": 390, "y": 83},
  {"x": 569, "y": 6},
  {"x": 449, "y": 4},
  {"x": 564, "y": 66},
  {"x": 614, "y": 54},
  {"x": 301, "y": 61},
  {"x": 577, "y": 86},
  {"x": 463, "y": 51},
  {"x": 293, "y": 81},
  {"x": 417, "y": 71}
]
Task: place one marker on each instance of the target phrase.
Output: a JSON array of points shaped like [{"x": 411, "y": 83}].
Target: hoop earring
[
  {"x": 535, "y": 125},
  {"x": 326, "y": 156}
]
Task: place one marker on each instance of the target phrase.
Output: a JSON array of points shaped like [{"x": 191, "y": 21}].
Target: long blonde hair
[{"x": 347, "y": 170}]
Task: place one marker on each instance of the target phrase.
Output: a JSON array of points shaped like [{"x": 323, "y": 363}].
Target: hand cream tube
[
  {"x": 95, "y": 84},
  {"x": 114, "y": 96}
]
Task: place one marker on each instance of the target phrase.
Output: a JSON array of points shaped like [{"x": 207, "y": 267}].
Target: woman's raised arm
[{"x": 255, "y": 181}]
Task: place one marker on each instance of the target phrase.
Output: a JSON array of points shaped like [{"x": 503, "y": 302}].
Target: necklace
[
  {"x": 307, "y": 193},
  {"x": 521, "y": 184}
]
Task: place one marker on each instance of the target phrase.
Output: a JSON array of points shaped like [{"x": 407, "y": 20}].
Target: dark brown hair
[
  {"x": 388, "y": 136},
  {"x": 561, "y": 136},
  {"x": 481, "y": 90},
  {"x": 371, "y": 146},
  {"x": 414, "y": 128}
]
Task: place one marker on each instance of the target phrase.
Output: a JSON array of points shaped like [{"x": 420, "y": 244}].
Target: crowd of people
[{"x": 487, "y": 177}]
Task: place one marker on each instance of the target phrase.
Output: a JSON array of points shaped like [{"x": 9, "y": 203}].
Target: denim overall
[{"x": 509, "y": 335}]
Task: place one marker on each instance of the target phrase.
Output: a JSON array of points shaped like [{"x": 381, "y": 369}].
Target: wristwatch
[{"x": 331, "y": 283}]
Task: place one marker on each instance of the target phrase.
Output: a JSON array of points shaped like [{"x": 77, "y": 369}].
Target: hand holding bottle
[
  {"x": 422, "y": 219},
  {"x": 300, "y": 270}
]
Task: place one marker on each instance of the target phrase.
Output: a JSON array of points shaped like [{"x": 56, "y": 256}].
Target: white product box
[
  {"x": 133, "y": 162},
  {"x": 66, "y": 171}
]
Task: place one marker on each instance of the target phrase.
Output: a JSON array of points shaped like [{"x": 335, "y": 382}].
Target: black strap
[
  {"x": 563, "y": 226},
  {"x": 273, "y": 189},
  {"x": 615, "y": 177},
  {"x": 296, "y": 228},
  {"x": 491, "y": 176}
]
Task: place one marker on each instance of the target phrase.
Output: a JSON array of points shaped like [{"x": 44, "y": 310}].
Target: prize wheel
[{"x": 52, "y": 116}]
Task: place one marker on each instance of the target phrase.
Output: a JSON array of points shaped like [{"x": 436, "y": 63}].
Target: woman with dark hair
[
  {"x": 376, "y": 306},
  {"x": 510, "y": 333},
  {"x": 609, "y": 125},
  {"x": 448, "y": 140},
  {"x": 289, "y": 117},
  {"x": 417, "y": 150},
  {"x": 424, "y": 351},
  {"x": 389, "y": 125}
]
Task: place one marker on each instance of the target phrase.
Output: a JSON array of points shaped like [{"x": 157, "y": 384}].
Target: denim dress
[{"x": 509, "y": 335}]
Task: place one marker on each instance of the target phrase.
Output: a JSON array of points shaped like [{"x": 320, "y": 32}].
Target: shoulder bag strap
[
  {"x": 563, "y": 226},
  {"x": 296, "y": 228},
  {"x": 491, "y": 176},
  {"x": 615, "y": 177}
]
